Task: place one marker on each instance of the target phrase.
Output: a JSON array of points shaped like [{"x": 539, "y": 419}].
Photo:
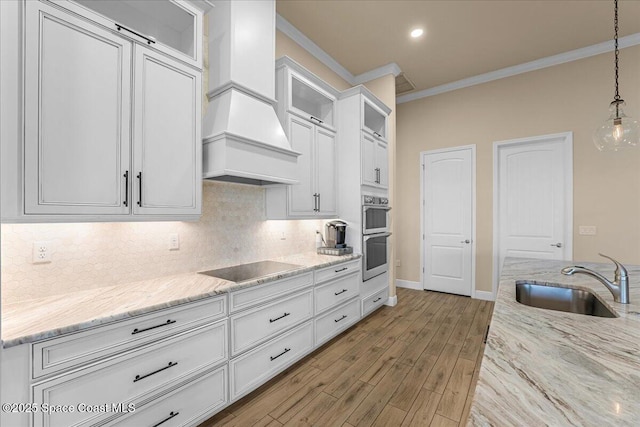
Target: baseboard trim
[
  {"x": 408, "y": 284},
  {"x": 392, "y": 301},
  {"x": 484, "y": 295}
]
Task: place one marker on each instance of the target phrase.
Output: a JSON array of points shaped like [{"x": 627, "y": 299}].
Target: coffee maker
[{"x": 335, "y": 234}]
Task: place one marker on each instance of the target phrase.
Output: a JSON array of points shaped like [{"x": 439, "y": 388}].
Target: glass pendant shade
[{"x": 618, "y": 132}]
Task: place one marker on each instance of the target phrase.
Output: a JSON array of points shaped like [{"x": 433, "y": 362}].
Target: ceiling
[{"x": 462, "y": 38}]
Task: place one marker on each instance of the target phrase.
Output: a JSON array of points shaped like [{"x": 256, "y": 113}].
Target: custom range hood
[{"x": 243, "y": 141}]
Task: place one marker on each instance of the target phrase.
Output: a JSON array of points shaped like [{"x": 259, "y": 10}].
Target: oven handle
[
  {"x": 386, "y": 208},
  {"x": 369, "y": 236}
]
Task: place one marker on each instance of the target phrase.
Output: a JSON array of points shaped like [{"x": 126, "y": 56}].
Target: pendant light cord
[{"x": 615, "y": 22}]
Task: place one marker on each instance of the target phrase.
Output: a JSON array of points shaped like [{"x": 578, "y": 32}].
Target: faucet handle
[{"x": 621, "y": 271}]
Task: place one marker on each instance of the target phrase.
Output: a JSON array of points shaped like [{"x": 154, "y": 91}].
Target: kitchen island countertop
[
  {"x": 544, "y": 367},
  {"x": 44, "y": 318}
]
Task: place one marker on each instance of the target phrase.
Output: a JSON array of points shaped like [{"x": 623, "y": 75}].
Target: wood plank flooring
[{"x": 415, "y": 364}]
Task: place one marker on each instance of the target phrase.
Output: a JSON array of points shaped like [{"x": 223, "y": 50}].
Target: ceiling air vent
[{"x": 403, "y": 84}]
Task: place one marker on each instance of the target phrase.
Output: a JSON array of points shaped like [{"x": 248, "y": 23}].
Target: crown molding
[
  {"x": 562, "y": 58},
  {"x": 204, "y": 6},
  {"x": 293, "y": 33},
  {"x": 391, "y": 68}
]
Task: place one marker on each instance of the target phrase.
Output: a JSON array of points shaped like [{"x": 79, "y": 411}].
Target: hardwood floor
[{"x": 415, "y": 364}]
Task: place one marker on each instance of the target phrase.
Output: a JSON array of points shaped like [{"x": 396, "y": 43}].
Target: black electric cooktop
[{"x": 254, "y": 270}]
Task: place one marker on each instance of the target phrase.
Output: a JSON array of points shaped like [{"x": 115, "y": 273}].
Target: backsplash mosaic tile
[{"x": 232, "y": 230}]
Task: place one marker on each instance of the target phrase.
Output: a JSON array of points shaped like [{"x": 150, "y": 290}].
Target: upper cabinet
[
  {"x": 171, "y": 26},
  {"x": 364, "y": 118},
  {"x": 307, "y": 110},
  {"x": 112, "y": 124}
]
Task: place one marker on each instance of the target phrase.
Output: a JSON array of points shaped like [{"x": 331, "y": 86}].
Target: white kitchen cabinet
[
  {"x": 375, "y": 162},
  {"x": 315, "y": 195},
  {"x": 77, "y": 115},
  {"x": 112, "y": 126},
  {"x": 167, "y": 112},
  {"x": 306, "y": 109}
]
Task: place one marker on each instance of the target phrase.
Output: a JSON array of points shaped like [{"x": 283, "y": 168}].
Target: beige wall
[{"x": 569, "y": 97}]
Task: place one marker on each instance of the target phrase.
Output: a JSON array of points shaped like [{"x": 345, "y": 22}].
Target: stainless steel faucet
[{"x": 620, "y": 285}]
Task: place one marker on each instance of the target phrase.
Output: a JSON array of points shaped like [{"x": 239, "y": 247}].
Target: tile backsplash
[{"x": 232, "y": 230}]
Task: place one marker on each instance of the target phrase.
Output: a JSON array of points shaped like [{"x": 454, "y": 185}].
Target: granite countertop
[
  {"x": 34, "y": 320},
  {"x": 544, "y": 367}
]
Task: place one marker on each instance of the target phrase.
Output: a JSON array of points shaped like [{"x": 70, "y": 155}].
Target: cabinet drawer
[
  {"x": 259, "y": 294},
  {"x": 132, "y": 377},
  {"x": 185, "y": 406},
  {"x": 257, "y": 366},
  {"x": 336, "y": 270},
  {"x": 77, "y": 349},
  {"x": 336, "y": 321},
  {"x": 374, "y": 301},
  {"x": 335, "y": 292},
  {"x": 252, "y": 327}
]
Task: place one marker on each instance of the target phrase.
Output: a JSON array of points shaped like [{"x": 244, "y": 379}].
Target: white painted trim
[
  {"x": 391, "y": 68},
  {"x": 568, "y": 239},
  {"x": 306, "y": 43},
  {"x": 408, "y": 284},
  {"x": 392, "y": 301},
  {"x": 561, "y": 58},
  {"x": 484, "y": 295},
  {"x": 297, "y": 36},
  {"x": 423, "y": 155}
]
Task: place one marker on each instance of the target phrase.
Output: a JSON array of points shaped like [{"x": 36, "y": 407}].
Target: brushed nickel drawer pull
[
  {"x": 141, "y": 377},
  {"x": 171, "y": 415},
  {"x": 168, "y": 322},
  {"x": 342, "y": 269},
  {"x": 377, "y": 299},
  {"x": 281, "y": 317},
  {"x": 286, "y": 350},
  {"x": 344, "y": 316},
  {"x": 341, "y": 292}
]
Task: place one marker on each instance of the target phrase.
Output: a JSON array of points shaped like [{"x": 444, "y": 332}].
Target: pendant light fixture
[{"x": 619, "y": 131}]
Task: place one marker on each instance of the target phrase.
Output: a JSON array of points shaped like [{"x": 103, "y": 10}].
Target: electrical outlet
[
  {"x": 41, "y": 252},
  {"x": 174, "y": 242},
  {"x": 588, "y": 230},
  {"x": 283, "y": 236},
  {"x": 397, "y": 263}
]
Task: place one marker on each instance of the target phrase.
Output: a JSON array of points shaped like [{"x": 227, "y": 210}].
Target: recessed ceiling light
[{"x": 417, "y": 33}]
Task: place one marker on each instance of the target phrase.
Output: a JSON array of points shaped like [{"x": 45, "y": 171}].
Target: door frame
[
  {"x": 423, "y": 155},
  {"x": 568, "y": 167}
]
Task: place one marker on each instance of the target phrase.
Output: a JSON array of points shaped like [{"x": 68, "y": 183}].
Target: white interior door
[
  {"x": 534, "y": 198},
  {"x": 448, "y": 220}
]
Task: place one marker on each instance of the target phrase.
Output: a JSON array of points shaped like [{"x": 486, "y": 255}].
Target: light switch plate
[{"x": 588, "y": 230}]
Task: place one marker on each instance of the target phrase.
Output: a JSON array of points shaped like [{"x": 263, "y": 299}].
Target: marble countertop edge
[{"x": 36, "y": 320}]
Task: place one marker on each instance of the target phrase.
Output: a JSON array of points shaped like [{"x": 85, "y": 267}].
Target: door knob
[
  {"x": 557, "y": 245},
  {"x": 465, "y": 241}
]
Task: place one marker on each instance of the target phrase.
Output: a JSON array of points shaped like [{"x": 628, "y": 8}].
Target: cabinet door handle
[
  {"x": 377, "y": 299},
  {"x": 341, "y": 292},
  {"x": 168, "y": 322},
  {"x": 171, "y": 415},
  {"x": 149, "y": 39},
  {"x": 344, "y": 316},
  {"x": 141, "y": 377},
  {"x": 316, "y": 119},
  {"x": 126, "y": 188},
  {"x": 342, "y": 269},
  {"x": 139, "y": 188},
  {"x": 278, "y": 318},
  {"x": 557, "y": 245},
  {"x": 318, "y": 202},
  {"x": 286, "y": 350},
  {"x": 377, "y": 134}
]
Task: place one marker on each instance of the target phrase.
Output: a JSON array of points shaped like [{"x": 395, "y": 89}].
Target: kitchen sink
[
  {"x": 254, "y": 270},
  {"x": 557, "y": 298}
]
